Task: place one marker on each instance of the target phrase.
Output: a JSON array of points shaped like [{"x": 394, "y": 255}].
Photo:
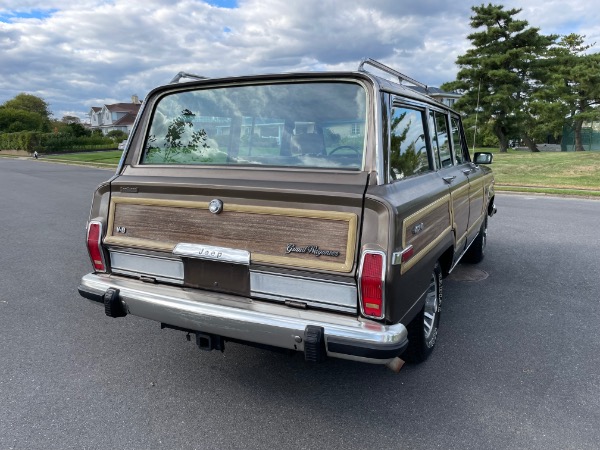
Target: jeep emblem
[{"x": 215, "y": 206}]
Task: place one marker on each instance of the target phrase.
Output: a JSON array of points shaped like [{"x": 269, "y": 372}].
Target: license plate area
[
  {"x": 216, "y": 276},
  {"x": 215, "y": 268}
]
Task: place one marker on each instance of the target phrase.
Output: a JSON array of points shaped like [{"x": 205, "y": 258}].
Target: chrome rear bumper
[{"x": 248, "y": 320}]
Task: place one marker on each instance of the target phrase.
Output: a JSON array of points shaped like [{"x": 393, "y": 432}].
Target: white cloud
[{"x": 90, "y": 52}]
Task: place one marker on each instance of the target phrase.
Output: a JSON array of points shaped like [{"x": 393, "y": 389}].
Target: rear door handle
[{"x": 449, "y": 180}]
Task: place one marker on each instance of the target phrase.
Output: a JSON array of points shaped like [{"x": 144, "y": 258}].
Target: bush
[
  {"x": 57, "y": 143},
  {"x": 117, "y": 135},
  {"x": 23, "y": 140},
  {"x": 53, "y": 142}
]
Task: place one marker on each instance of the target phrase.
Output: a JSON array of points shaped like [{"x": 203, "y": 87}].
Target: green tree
[
  {"x": 70, "y": 119},
  {"x": 30, "y": 103},
  {"x": 78, "y": 130},
  {"x": 13, "y": 120},
  {"x": 572, "y": 91},
  {"x": 179, "y": 140},
  {"x": 499, "y": 73}
]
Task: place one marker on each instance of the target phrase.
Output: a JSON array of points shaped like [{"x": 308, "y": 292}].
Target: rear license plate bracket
[{"x": 216, "y": 276}]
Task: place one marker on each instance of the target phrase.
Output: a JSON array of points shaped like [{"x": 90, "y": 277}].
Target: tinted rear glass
[{"x": 318, "y": 124}]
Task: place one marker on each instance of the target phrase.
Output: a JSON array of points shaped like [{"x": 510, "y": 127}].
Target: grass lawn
[
  {"x": 566, "y": 173},
  {"x": 547, "y": 172},
  {"x": 108, "y": 157}
]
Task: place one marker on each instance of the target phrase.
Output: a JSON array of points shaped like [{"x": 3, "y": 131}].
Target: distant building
[
  {"x": 447, "y": 98},
  {"x": 118, "y": 116}
]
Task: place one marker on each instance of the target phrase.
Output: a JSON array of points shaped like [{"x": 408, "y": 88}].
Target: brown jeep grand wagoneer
[{"x": 314, "y": 212}]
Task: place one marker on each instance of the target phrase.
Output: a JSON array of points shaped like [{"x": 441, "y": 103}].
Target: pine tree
[
  {"x": 572, "y": 90},
  {"x": 500, "y": 71}
]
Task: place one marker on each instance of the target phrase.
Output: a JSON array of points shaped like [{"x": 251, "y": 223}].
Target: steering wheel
[{"x": 341, "y": 147}]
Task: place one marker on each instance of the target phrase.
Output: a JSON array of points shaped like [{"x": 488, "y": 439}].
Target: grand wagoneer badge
[{"x": 310, "y": 249}]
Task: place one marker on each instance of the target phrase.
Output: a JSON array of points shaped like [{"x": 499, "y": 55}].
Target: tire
[
  {"x": 476, "y": 251},
  {"x": 423, "y": 330}
]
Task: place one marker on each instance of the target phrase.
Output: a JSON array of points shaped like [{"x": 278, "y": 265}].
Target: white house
[
  {"x": 447, "y": 98},
  {"x": 118, "y": 116}
]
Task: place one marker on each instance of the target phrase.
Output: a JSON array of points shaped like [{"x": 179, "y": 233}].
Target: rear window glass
[{"x": 319, "y": 124}]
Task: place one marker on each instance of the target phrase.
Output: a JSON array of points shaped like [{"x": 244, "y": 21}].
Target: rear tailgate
[{"x": 293, "y": 242}]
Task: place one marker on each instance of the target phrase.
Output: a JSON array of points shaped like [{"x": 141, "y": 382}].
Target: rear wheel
[
  {"x": 423, "y": 330},
  {"x": 476, "y": 251}
]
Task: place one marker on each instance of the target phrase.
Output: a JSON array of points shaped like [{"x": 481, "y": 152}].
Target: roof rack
[
  {"x": 181, "y": 75},
  {"x": 401, "y": 76}
]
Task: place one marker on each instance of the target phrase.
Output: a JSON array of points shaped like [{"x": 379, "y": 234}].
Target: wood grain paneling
[
  {"x": 476, "y": 193},
  {"x": 265, "y": 232},
  {"x": 460, "y": 211},
  {"x": 433, "y": 222}
]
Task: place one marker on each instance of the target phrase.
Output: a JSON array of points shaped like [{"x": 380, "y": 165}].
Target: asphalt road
[{"x": 517, "y": 363}]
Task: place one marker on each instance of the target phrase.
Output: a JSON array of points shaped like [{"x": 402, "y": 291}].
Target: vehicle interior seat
[{"x": 307, "y": 143}]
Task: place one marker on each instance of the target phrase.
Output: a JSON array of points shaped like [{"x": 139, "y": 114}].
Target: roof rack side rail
[
  {"x": 401, "y": 76},
  {"x": 181, "y": 75}
]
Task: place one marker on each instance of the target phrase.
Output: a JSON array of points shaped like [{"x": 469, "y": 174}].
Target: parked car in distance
[
  {"x": 313, "y": 212},
  {"x": 122, "y": 145}
]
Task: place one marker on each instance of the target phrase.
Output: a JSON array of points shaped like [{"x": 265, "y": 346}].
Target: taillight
[
  {"x": 371, "y": 283},
  {"x": 94, "y": 243}
]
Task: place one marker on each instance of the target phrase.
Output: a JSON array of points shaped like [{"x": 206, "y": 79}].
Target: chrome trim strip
[
  {"x": 308, "y": 303},
  {"x": 201, "y": 251},
  {"x": 242, "y": 318},
  {"x": 164, "y": 269},
  {"x": 397, "y": 256},
  {"x": 157, "y": 278},
  {"x": 379, "y": 158},
  {"x": 329, "y": 294}
]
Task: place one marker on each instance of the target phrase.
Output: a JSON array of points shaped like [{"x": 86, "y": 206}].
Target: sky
[{"x": 79, "y": 54}]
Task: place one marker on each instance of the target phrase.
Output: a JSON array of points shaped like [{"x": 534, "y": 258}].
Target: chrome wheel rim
[{"x": 430, "y": 311}]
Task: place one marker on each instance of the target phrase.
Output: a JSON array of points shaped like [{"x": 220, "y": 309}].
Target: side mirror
[{"x": 483, "y": 158}]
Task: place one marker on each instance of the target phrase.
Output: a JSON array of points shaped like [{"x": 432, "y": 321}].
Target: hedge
[{"x": 53, "y": 142}]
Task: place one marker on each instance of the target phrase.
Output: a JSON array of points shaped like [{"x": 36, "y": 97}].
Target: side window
[
  {"x": 408, "y": 143},
  {"x": 439, "y": 138},
  {"x": 460, "y": 147}
]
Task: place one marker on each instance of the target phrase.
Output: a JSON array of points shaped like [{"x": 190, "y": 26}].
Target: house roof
[
  {"x": 127, "y": 119},
  {"x": 123, "y": 107},
  {"x": 96, "y": 108}
]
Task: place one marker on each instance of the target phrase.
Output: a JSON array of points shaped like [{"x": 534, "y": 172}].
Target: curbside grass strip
[{"x": 562, "y": 192}]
